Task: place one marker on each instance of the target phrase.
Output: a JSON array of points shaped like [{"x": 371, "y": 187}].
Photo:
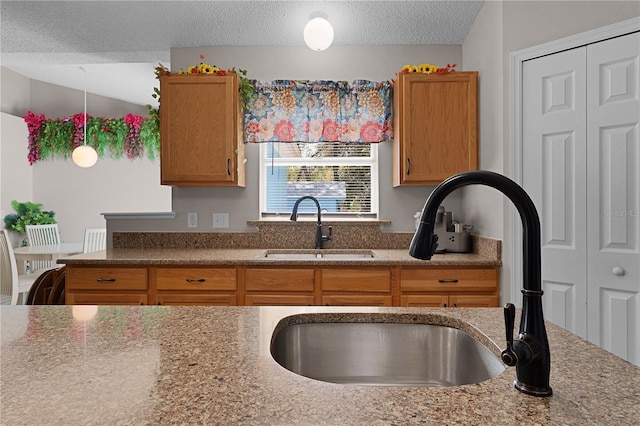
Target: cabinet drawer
[
  {"x": 195, "y": 279},
  {"x": 106, "y": 279},
  {"x": 356, "y": 300},
  {"x": 449, "y": 280},
  {"x": 279, "y": 300},
  {"x": 357, "y": 280},
  {"x": 210, "y": 299},
  {"x": 424, "y": 301},
  {"x": 105, "y": 298},
  {"x": 472, "y": 301},
  {"x": 275, "y": 279}
]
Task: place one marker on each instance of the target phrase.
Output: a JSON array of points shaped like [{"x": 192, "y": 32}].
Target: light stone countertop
[
  {"x": 256, "y": 257},
  {"x": 64, "y": 365}
]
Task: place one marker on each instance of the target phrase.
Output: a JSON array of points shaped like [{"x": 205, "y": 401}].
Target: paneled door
[
  {"x": 613, "y": 195},
  {"x": 581, "y": 165},
  {"x": 554, "y": 175}
]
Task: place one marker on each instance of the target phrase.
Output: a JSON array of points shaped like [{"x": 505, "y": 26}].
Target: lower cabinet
[
  {"x": 449, "y": 287},
  {"x": 106, "y": 286},
  {"x": 356, "y": 287},
  {"x": 409, "y": 286},
  {"x": 282, "y": 286},
  {"x": 194, "y": 286}
]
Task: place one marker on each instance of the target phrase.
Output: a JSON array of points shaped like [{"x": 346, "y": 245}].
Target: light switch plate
[
  {"x": 220, "y": 220},
  {"x": 192, "y": 220}
]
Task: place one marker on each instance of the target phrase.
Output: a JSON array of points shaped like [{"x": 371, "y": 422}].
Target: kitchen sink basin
[
  {"x": 319, "y": 255},
  {"x": 383, "y": 354}
]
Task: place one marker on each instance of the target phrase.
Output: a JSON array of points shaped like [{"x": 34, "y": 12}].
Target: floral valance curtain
[{"x": 319, "y": 111}]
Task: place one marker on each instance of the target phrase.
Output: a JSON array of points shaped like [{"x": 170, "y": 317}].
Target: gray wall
[
  {"x": 78, "y": 196},
  {"x": 500, "y": 29},
  {"x": 336, "y": 63}
]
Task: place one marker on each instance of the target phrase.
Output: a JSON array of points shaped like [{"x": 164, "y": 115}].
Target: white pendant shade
[
  {"x": 318, "y": 34},
  {"x": 84, "y": 156}
]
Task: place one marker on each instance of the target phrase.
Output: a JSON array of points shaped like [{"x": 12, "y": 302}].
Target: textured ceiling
[{"x": 49, "y": 40}]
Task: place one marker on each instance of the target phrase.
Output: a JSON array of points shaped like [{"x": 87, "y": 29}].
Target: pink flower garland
[
  {"x": 133, "y": 144},
  {"x": 34, "y": 122},
  {"x": 78, "y": 122}
]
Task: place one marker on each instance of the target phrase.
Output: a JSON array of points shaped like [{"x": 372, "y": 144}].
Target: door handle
[{"x": 618, "y": 271}]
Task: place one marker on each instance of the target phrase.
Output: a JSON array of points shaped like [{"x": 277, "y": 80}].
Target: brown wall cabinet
[
  {"x": 435, "y": 126},
  {"x": 201, "y": 131}
]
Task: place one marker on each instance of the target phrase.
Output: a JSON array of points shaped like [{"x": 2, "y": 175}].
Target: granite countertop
[
  {"x": 212, "y": 365},
  {"x": 256, "y": 257}
]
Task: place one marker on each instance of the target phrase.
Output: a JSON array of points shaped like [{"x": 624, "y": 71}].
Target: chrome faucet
[
  {"x": 320, "y": 239},
  {"x": 529, "y": 353}
]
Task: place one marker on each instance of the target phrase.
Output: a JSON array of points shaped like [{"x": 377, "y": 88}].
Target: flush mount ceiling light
[
  {"x": 318, "y": 34},
  {"x": 84, "y": 155}
]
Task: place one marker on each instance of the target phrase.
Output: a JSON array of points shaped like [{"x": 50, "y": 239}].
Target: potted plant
[{"x": 27, "y": 213}]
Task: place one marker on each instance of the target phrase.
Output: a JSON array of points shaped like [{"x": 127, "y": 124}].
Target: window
[{"x": 342, "y": 176}]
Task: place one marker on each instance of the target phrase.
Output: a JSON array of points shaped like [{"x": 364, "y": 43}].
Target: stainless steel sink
[
  {"x": 319, "y": 255},
  {"x": 384, "y": 354}
]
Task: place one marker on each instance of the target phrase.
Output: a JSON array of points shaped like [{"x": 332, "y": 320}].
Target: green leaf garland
[{"x": 57, "y": 137}]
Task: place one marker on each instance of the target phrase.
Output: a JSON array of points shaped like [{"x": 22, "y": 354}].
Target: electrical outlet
[
  {"x": 220, "y": 220},
  {"x": 192, "y": 220}
]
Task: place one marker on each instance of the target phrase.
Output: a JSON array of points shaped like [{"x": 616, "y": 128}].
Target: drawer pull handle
[
  {"x": 195, "y": 280},
  {"x": 106, "y": 280},
  {"x": 447, "y": 281}
]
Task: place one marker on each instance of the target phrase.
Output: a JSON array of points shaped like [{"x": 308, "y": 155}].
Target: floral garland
[
  {"x": 428, "y": 69},
  {"x": 131, "y": 136}
]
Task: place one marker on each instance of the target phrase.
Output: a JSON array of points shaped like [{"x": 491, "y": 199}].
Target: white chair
[
  {"x": 13, "y": 285},
  {"x": 95, "y": 239},
  {"x": 40, "y": 235}
]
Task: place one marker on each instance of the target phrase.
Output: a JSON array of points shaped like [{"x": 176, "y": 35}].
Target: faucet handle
[{"x": 508, "y": 356}]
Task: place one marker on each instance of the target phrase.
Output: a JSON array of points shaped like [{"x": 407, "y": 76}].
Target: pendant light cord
[{"x": 85, "y": 105}]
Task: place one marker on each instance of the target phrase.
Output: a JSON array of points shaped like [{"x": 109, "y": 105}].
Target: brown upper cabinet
[
  {"x": 435, "y": 126},
  {"x": 201, "y": 131}
]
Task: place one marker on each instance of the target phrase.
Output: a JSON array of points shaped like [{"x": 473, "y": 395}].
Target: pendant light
[
  {"x": 84, "y": 155},
  {"x": 318, "y": 34}
]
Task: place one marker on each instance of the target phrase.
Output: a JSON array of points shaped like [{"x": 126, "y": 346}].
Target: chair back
[
  {"x": 8, "y": 271},
  {"x": 41, "y": 288},
  {"x": 57, "y": 295},
  {"x": 40, "y": 235},
  {"x": 95, "y": 239}
]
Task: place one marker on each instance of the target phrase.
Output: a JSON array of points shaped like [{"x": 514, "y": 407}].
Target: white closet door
[
  {"x": 613, "y": 195},
  {"x": 554, "y": 161}
]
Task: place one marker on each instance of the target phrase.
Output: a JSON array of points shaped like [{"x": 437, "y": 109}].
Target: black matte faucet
[
  {"x": 529, "y": 353},
  {"x": 320, "y": 239}
]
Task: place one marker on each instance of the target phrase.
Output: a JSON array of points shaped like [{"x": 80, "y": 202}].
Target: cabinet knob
[{"x": 617, "y": 270}]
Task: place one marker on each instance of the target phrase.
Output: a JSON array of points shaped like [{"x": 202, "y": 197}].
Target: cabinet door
[
  {"x": 426, "y": 301},
  {"x": 280, "y": 279},
  {"x": 200, "y": 135},
  {"x": 369, "y": 280},
  {"x": 199, "y": 299},
  {"x": 435, "y": 127},
  {"x": 279, "y": 300},
  {"x": 356, "y": 300},
  {"x": 87, "y": 298},
  {"x": 473, "y": 301}
]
